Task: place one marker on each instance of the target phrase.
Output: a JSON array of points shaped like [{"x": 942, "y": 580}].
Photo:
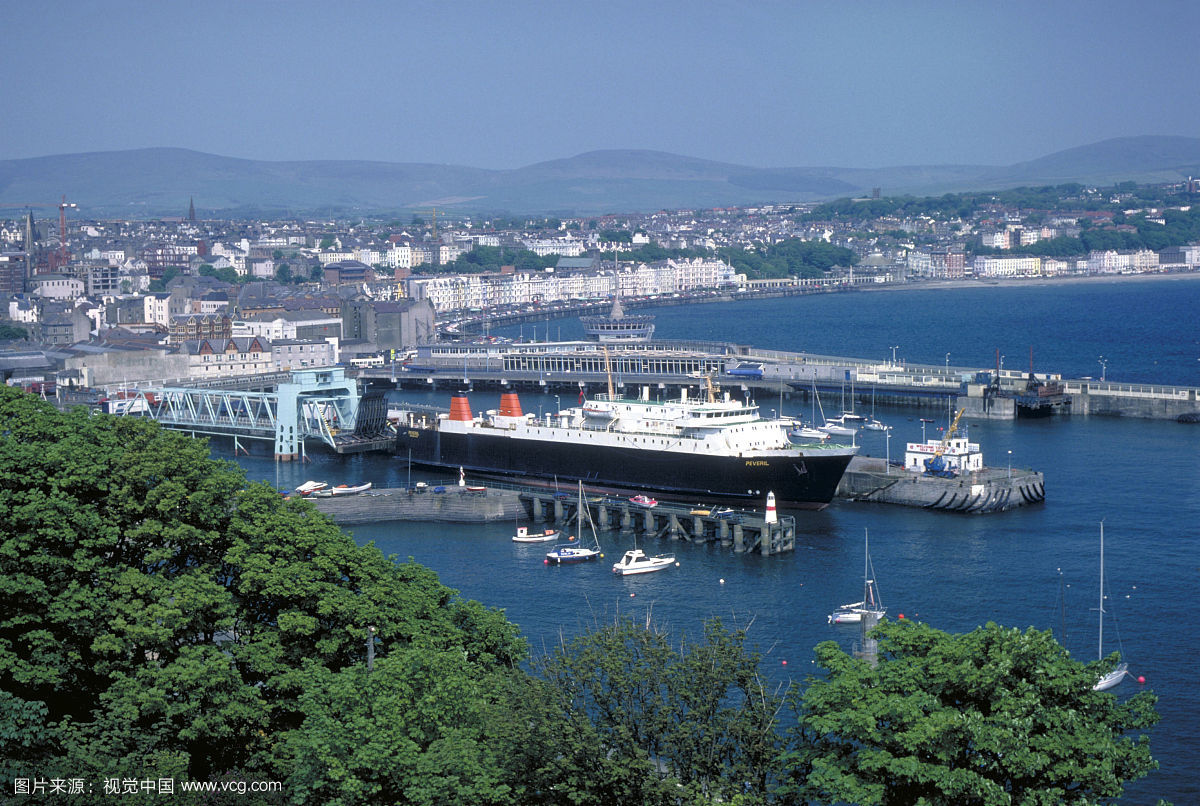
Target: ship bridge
[{"x": 319, "y": 403}]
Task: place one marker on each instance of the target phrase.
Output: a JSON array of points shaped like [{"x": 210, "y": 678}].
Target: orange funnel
[
  {"x": 460, "y": 408},
  {"x": 510, "y": 405}
]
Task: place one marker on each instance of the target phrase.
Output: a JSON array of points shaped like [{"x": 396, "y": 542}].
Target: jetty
[
  {"x": 744, "y": 531},
  {"x": 977, "y": 492}
]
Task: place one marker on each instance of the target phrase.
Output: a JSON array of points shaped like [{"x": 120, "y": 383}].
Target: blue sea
[{"x": 1140, "y": 477}]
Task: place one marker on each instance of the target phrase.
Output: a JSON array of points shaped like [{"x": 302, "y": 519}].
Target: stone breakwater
[{"x": 455, "y": 505}]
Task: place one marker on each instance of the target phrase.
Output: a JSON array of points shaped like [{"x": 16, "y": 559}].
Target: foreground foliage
[
  {"x": 995, "y": 716},
  {"x": 163, "y": 619}
]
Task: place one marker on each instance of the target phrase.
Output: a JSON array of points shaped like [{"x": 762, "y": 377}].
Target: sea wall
[
  {"x": 990, "y": 490},
  {"x": 456, "y": 505}
]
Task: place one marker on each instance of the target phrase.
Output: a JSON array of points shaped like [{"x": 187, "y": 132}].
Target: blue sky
[{"x": 506, "y": 84}]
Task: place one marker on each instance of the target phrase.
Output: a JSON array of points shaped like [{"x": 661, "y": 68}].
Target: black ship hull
[{"x": 799, "y": 481}]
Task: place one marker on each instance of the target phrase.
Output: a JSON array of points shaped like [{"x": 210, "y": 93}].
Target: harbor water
[{"x": 955, "y": 572}]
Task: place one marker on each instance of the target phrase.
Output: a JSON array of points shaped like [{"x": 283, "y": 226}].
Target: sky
[{"x": 507, "y": 83}]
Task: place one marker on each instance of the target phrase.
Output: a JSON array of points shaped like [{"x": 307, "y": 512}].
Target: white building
[
  {"x": 960, "y": 455},
  {"x": 1007, "y": 266},
  {"x": 214, "y": 358},
  {"x": 56, "y": 286}
]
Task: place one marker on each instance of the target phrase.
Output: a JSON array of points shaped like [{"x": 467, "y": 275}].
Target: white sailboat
[
  {"x": 837, "y": 426},
  {"x": 1118, "y": 673},
  {"x": 871, "y": 604},
  {"x": 576, "y": 552},
  {"x": 871, "y": 423}
]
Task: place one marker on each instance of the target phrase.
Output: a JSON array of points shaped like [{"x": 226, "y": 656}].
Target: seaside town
[{"x": 93, "y": 303}]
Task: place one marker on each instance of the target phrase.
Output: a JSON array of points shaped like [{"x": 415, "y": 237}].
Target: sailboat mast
[
  {"x": 1100, "y": 650},
  {"x": 866, "y": 569}
]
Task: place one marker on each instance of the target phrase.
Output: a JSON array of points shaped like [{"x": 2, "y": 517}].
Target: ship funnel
[
  {"x": 460, "y": 408},
  {"x": 772, "y": 516},
  {"x": 510, "y": 405}
]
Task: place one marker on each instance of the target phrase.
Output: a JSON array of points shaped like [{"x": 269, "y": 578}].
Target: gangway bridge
[{"x": 317, "y": 403}]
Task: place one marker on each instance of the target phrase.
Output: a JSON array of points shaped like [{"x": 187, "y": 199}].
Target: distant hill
[{"x": 160, "y": 181}]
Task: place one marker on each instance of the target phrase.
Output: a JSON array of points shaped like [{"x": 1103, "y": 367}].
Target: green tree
[
  {"x": 12, "y": 332},
  {"x": 994, "y": 716},
  {"x": 283, "y": 273},
  {"x": 624, "y": 717},
  {"x": 163, "y": 618},
  {"x": 327, "y": 242}
]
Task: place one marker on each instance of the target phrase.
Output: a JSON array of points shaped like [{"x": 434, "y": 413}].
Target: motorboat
[
  {"x": 346, "y": 489},
  {"x": 644, "y": 501},
  {"x": 523, "y": 535},
  {"x": 636, "y": 561},
  {"x": 309, "y": 487}
]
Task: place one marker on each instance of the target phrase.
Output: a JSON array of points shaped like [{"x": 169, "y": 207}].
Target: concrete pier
[
  {"x": 455, "y": 505},
  {"x": 990, "y": 490}
]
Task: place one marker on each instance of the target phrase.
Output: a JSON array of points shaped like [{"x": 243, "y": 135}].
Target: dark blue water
[
  {"x": 1145, "y": 329},
  {"x": 955, "y": 572}
]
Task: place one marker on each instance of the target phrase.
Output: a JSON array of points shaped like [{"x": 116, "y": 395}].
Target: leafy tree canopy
[
  {"x": 622, "y": 716},
  {"x": 788, "y": 258},
  {"x": 12, "y": 332},
  {"x": 163, "y": 618},
  {"x": 491, "y": 258},
  {"x": 994, "y": 716},
  {"x": 225, "y": 274}
]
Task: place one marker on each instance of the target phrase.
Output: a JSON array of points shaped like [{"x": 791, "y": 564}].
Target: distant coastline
[{"x": 1016, "y": 282}]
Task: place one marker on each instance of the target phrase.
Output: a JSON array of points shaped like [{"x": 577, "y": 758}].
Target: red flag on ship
[{"x": 580, "y": 395}]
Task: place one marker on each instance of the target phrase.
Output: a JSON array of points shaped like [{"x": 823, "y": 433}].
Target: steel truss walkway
[{"x": 312, "y": 404}]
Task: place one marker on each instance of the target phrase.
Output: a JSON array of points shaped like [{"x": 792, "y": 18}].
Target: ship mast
[{"x": 608, "y": 374}]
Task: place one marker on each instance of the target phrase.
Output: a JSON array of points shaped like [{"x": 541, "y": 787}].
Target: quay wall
[
  {"x": 456, "y": 505},
  {"x": 991, "y": 490}
]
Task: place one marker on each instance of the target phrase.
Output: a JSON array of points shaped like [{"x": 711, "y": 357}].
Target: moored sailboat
[
  {"x": 576, "y": 552},
  {"x": 1119, "y": 671},
  {"x": 871, "y": 605}
]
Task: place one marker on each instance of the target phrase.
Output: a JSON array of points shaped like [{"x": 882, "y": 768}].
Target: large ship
[{"x": 707, "y": 448}]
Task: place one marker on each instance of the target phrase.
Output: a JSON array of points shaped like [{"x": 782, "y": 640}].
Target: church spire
[{"x": 191, "y": 210}]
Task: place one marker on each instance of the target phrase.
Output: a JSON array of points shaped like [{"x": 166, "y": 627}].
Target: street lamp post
[
  {"x": 888, "y": 460},
  {"x": 895, "y": 347},
  {"x": 1103, "y": 367},
  {"x": 947, "y": 363},
  {"x": 557, "y": 404},
  {"x": 1010, "y": 464},
  {"x": 1001, "y": 365}
]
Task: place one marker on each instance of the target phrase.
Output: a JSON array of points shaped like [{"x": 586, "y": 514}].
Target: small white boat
[
  {"x": 635, "y": 561},
  {"x": 844, "y": 426},
  {"x": 310, "y": 487},
  {"x": 644, "y": 501},
  {"x": 800, "y": 433},
  {"x": 874, "y": 425},
  {"x": 523, "y": 535},
  {"x": 346, "y": 489}
]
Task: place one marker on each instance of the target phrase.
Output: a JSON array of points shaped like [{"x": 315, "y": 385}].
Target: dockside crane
[
  {"x": 936, "y": 464},
  {"x": 433, "y": 215}
]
